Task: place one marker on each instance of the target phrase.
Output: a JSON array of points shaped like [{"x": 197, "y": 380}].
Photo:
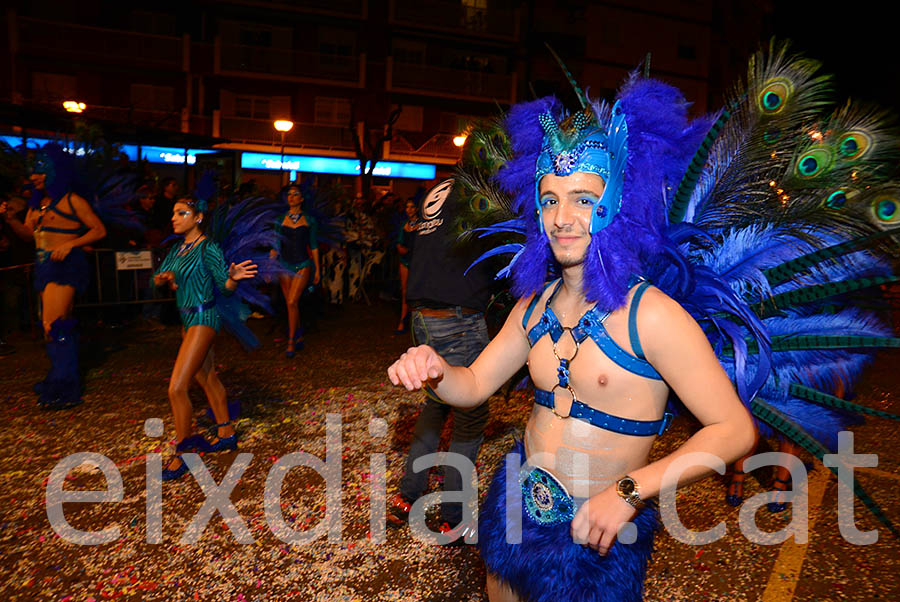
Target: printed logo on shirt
[{"x": 432, "y": 205}]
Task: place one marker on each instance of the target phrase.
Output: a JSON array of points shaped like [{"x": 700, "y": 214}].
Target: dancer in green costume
[{"x": 195, "y": 269}]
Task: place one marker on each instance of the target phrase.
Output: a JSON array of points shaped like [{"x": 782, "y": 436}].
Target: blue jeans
[{"x": 459, "y": 340}]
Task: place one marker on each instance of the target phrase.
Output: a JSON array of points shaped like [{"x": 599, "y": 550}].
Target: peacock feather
[
  {"x": 483, "y": 202},
  {"x": 778, "y": 236},
  {"x": 794, "y": 432}
]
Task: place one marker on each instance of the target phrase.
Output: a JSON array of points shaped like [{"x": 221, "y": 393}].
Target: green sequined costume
[{"x": 197, "y": 271}]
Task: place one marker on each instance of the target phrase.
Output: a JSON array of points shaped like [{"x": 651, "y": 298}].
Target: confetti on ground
[{"x": 284, "y": 409}]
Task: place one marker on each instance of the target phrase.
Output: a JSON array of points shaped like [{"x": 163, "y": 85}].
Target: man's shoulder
[
  {"x": 662, "y": 322},
  {"x": 656, "y": 306}
]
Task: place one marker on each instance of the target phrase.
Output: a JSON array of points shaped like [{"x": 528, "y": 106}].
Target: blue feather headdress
[
  {"x": 660, "y": 142},
  {"x": 58, "y": 166}
]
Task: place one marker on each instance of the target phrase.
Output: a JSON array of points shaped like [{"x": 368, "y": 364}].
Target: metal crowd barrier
[
  {"x": 123, "y": 278},
  {"x": 118, "y": 278}
]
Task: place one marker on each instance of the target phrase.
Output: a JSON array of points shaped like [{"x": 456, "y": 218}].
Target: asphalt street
[{"x": 285, "y": 405}]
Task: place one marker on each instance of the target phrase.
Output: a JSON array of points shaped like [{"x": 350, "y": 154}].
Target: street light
[
  {"x": 284, "y": 126},
  {"x": 73, "y": 106}
]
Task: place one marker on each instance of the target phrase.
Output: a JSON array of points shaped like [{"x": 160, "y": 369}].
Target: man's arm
[
  {"x": 23, "y": 231},
  {"x": 96, "y": 229},
  {"x": 678, "y": 349},
  {"x": 461, "y": 386}
]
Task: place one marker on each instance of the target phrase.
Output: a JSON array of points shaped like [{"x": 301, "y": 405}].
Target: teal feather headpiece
[{"x": 580, "y": 144}]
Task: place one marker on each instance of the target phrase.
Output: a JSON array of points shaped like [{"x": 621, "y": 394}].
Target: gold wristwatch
[{"x": 628, "y": 490}]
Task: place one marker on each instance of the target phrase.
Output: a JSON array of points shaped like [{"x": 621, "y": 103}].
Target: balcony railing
[
  {"x": 450, "y": 83},
  {"x": 150, "y": 118},
  {"x": 303, "y": 135},
  {"x": 167, "y": 120},
  {"x": 442, "y": 15},
  {"x": 438, "y": 146},
  {"x": 69, "y": 42},
  {"x": 277, "y": 63}
]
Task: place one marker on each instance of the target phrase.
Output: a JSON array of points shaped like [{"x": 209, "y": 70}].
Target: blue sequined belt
[
  {"x": 546, "y": 500},
  {"x": 186, "y": 311},
  {"x": 599, "y": 418}
]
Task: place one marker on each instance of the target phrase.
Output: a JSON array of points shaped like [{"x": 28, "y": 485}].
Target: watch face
[{"x": 626, "y": 486}]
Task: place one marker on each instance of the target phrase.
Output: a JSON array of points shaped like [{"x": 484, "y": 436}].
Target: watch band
[{"x": 628, "y": 489}]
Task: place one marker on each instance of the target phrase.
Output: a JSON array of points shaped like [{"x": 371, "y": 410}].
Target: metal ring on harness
[
  {"x": 556, "y": 343},
  {"x": 571, "y": 392}
]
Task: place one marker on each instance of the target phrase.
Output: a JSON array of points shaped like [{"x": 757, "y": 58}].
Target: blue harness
[
  {"x": 591, "y": 326},
  {"x": 80, "y": 229}
]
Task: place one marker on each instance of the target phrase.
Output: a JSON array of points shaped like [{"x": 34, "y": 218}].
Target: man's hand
[
  {"x": 597, "y": 521},
  {"x": 61, "y": 252},
  {"x": 416, "y": 366},
  {"x": 317, "y": 277},
  {"x": 241, "y": 271},
  {"x": 164, "y": 278}
]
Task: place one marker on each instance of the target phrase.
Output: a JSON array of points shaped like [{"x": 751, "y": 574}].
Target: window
[
  {"x": 53, "y": 86},
  {"x": 261, "y": 108},
  {"x": 475, "y": 14},
  {"x": 252, "y": 107},
  {"x": 454, "y": 123},
  {"x": 406, "y": 51},
  {"x": 411, "y": 118},
  {"x": 332, "y": 111},
  {"x": 471, "y": 62},
  {"x": 255, "y": 36},
  {"x": 336, "y": 45}
]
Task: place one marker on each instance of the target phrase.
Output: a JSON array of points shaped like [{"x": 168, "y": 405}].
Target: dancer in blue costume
[
  {"x": 197, "y": 271},
  {"x": 297, "y": 250},
  {"x": 61, "y": 223},
  {"x": 603, "y": 349}
]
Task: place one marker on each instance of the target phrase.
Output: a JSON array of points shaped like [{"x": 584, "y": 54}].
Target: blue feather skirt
[
  {"x": 73, "y": 271},
  {"x": 547, "y": 566}
]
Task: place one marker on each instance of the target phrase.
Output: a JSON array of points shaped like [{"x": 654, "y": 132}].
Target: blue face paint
[
  {"x": 585, "y": 147},
  {"x": 546, "y": 200}
]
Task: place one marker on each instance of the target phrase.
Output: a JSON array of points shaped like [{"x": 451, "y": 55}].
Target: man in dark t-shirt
[{"x": 447, "y": 308}]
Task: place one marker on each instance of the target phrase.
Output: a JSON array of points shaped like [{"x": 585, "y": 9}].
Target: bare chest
[{"x": 584, "y": 372}]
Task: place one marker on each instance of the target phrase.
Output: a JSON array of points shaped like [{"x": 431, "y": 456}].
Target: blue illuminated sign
[
  {"x": 334, "y": 165},
  {"x": 152, "y": 154},
  {"x": 163, "y": 154}
]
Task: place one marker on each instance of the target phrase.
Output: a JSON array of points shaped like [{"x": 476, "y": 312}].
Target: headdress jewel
[
  {"x": 581, "y": 144},
  {"x": 198, "y": 205}
]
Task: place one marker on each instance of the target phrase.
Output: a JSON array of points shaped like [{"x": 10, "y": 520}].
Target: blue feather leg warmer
[
  {"x": 62, "y": 387},
  {"x": 547, "y": 566}
]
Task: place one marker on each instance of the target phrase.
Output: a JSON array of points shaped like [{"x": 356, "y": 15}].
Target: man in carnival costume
[
  {"x": 61, "y": 223},
  {"x": 603, "y": 347}
]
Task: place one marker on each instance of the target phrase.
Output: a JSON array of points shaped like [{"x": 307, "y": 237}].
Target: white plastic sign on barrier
[{"x": 134, "y": 260}]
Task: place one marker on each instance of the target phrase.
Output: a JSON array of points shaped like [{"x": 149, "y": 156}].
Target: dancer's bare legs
[
  {"x": 292, "y": 288},
  {"x": 57, "y": 301},
  {"x": 196, "y": 343},
  {"x": 207, "y": 378}
]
